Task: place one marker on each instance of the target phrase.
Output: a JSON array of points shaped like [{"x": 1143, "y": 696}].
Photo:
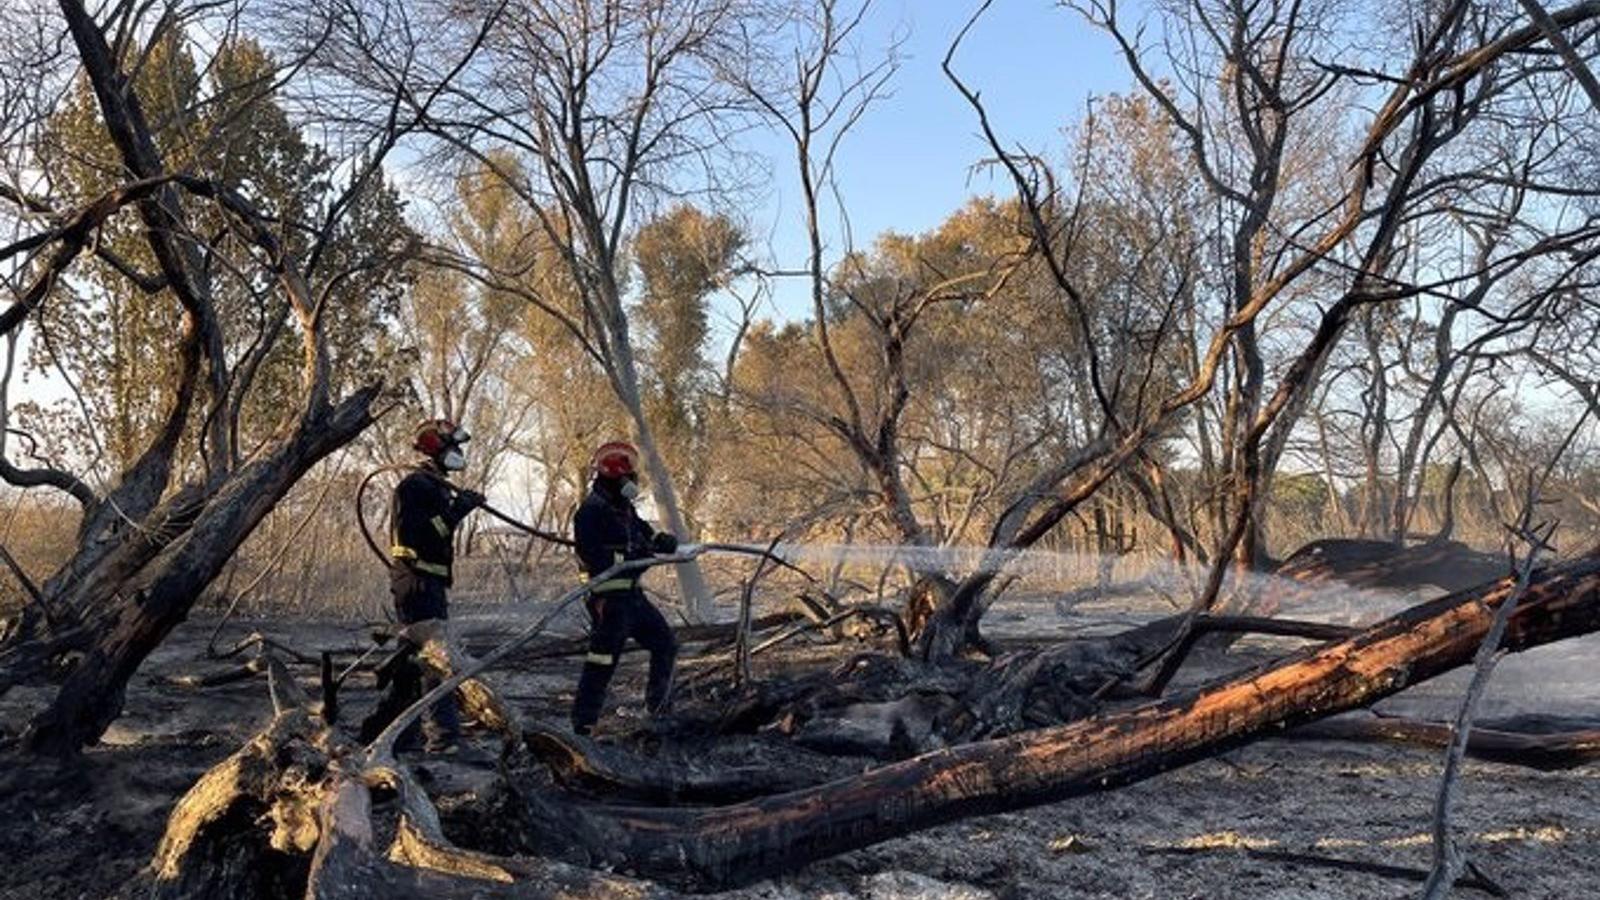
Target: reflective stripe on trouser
[{"x": 615, "y": 618}]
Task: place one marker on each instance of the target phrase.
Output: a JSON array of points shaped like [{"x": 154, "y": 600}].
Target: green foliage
[
  {"x": 114, "y": 342},
  {"x": 492, "y": 353},
  {"x": 1301, "y": 494},
  {"x": 683, "y": 258},
  {"x": 974, "y": 367}
]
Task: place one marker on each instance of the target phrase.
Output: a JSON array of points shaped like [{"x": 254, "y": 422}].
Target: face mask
[
  {"x": 453, "y": 460},
  {"x": 630, "y": 490}
]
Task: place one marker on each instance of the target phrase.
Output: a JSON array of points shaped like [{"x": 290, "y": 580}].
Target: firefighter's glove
[
  {"x": 664, "y": 543},
  {"x": 466, "y": 501}
]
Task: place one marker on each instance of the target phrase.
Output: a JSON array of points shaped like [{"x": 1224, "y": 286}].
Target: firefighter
[
  {"x": 607, "y": 531},
  {"x": 423, "y": 515}
]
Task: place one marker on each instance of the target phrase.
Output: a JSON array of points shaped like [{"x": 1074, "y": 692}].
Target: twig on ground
[{"x": 1475, "y": 881}]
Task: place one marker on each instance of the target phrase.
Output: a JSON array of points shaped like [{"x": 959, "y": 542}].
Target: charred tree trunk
[
  {"x": 136, "y": 574},
  {"x": 290, "y": 814},
  {"x": 588, "y": 767},
  {"x": 91, "y": 697},
  {"x": 1546, "y": 751},
  {"x": 238, "y": 832}
]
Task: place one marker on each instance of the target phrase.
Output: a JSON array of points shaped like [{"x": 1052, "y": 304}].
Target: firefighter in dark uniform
[
  {"x": 607, "y": 531},
  {"x": 423, "y": 515}
]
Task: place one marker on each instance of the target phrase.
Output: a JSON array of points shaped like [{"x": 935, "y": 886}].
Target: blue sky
[{"x": 908, "y": 164}]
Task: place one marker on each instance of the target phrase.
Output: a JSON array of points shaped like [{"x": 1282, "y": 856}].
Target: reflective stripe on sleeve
[
  {"x": 600, "y": 659},
  {"x": 440, "y": 526}
]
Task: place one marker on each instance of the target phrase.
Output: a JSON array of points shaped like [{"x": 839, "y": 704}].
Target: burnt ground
[{"x": 1218, "y": 828}]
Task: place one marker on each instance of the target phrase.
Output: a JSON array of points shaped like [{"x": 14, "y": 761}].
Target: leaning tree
[{"x": 197, "y": 231}]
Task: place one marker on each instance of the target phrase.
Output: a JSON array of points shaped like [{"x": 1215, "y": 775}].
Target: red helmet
[
  {"x": 434, "y": 436},
  {"x": 616, "y": 459}
]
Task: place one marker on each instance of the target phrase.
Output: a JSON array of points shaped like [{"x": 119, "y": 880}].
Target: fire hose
[
  {"x": 366, "y": 532},
  {"x": 687, "y": 550}
]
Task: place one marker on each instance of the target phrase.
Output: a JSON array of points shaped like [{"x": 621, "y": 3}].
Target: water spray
[{"x": 1162, "y": 577}]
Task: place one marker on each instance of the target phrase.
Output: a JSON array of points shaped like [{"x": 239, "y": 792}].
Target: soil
[{"x": 1219, "y": 828}]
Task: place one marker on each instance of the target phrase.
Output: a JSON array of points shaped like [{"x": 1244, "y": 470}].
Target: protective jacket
[
  {"x": 423, "y": 518},
  {"x": 608, "y": 530}
]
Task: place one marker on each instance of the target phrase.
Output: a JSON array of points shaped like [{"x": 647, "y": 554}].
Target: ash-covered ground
[{"x": 1238, "y": 826}]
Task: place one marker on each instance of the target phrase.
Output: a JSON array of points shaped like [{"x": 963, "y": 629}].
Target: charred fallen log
[
  {"x": 892, "y": 709},
  {"x": 1496, "y": 742},
  {"x": 349, "y": 864},
  {"x": 238, "y": 832},
  {"x": 292, "y": 814},
  {"x": 583, "y": 765}
]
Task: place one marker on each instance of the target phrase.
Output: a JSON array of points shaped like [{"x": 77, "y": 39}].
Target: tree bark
[{"x": 691, "y": 581}]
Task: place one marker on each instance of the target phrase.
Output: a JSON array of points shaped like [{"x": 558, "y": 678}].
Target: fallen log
[
  {"x": 717, "y": 847},
  {"x": 1064, "y": 682},
  {"x": 615, "y": 775},
  {"x": 238, "y": 832},
  {"x": 1543, "y": 751},
  {"x": 891, "y": 709},
  {"x": 301, "y": 786},
  {"x": 290, "y": 814},
  {"x": 232, "y": 675},
  {"x": 247, "y": 827},
  {"x": 348, "y": 864}
]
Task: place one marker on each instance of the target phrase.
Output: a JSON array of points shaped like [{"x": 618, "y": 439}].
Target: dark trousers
[
  {"x": 417, "y": 598},
  {"x": 614, "y": 617}
]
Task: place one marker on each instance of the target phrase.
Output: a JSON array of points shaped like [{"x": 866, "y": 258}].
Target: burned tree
[
  {"x": 152, "y": 540},
  {"x": 1153, "y": 349}
]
